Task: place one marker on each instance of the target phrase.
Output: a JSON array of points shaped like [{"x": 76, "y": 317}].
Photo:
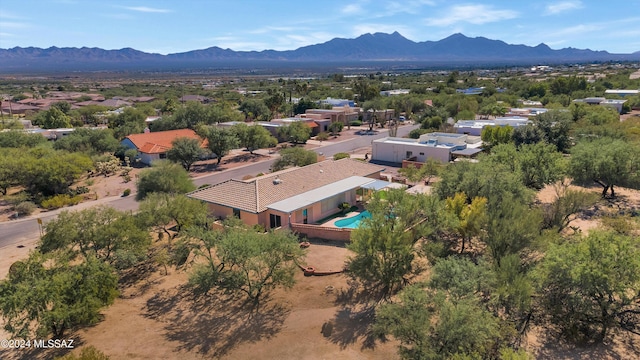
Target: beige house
[{"x": 298, "y": 195}]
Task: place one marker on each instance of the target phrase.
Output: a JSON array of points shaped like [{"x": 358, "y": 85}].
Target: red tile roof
[{"x": 160, "y": 142}]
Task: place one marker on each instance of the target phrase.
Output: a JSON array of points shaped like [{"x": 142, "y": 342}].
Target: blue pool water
[{"x": 354, "y": 221}]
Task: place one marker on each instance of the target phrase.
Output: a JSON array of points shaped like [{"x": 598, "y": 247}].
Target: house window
[
  {"x": 275, "y": 221},
  {"x": 236, "y": 213},
  {"x": 163, "y": 155},
  {"x": 409, "y": 154},
  {"x": 421, "y": 153},
  {"x": 305, "y": 216}
]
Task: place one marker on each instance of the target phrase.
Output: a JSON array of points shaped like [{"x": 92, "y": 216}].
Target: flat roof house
[
  {"x": 622, "y": 92},
  {"x": 474, "y": 127},
  {"x": 616, "y": 104},
  {"x": 438, "y": 146},
  {"x": 153, "y": 146},
  {"x": 298, "y": 195}
]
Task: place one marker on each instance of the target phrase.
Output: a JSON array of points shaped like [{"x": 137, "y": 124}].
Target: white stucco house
[{"x": 439, "y": 146}]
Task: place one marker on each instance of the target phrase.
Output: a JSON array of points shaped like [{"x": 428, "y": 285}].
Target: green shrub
[
  {"x": 322, "y": 136},
  {"x": 355, "y": 123},
  {"x": 415, "y": 134},
  {"x": 87, "y": 353},
  {"x": 341, "y": 155},
  {"x": 24, "y": 208},
  {"x": 59, "y": 201},
  {"x": 79, "y": 190},
  {"x": 126, "y": 192},
  {"x": 259, "y": 228},
  {"x": 344, "y": 207},
  {"x": 17, "y": 198}
]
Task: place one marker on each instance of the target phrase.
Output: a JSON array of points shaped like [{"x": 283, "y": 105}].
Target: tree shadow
[
  {"x": 353, "y": 321},
  {"x": 555, "y": 347},
  {"x": 351, "y": 325},
  {"x": 215, "y": 323},
  {"x": 136, "y": 281}
]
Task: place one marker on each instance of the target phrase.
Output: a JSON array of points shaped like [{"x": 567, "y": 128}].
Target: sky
[{"x": 162, "y": 26}]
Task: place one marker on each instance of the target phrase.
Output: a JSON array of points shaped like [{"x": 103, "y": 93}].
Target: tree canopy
[
  {"x": 254, "y": 137},
  {"x": 219, "y": 141},
  {"x": 297, "y": 132},
  {"x": 607, "y": 162},
  {"x": 591, "y": 283},
  {"x": 164, "y": 177},
  {"x": 240, "y": 259},
  {"x": 48, "y": 295},
  {"x": 294, "y": 156},
  {"x": 185, "y": 151}
]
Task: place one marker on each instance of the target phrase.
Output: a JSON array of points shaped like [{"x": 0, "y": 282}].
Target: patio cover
[
  {"x": 311, "y": 197},
  {"x": 467, "y": 152},
  {"x": 376, "y": 185}
]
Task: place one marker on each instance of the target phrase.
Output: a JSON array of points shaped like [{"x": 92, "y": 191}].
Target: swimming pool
[{"x": 352, "y": 222}]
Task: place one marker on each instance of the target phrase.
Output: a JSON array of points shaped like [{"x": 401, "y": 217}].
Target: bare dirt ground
[
  {"x": 157, "y": 317},
  {"x": 630, "y": 115},
  {"x": 626, "y": 201}
]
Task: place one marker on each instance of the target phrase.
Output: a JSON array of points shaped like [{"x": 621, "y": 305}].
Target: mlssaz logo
[{"x": 53, "y": 344}]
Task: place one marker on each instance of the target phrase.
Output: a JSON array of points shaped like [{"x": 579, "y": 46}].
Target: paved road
[{"x": 14, "y": 232}]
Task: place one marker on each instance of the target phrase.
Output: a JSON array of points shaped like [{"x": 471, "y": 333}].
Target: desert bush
[
  {"x": 58, "y": 201},
  {"x": 341, "y": 155},
  {"x": 355, "y": 123},
  {"x": 87, "y": 353},
  {"x": 126, "y": 192},
  {"x": 24, "y": 208}
]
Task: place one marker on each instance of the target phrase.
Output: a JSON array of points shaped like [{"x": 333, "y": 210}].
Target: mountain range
[{"x": 378, "y": 48}]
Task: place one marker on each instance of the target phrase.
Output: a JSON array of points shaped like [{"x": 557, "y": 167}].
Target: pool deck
[{"x": 332, "y": 222}]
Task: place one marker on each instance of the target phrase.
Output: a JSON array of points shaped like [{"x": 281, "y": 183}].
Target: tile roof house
[
  {"x": 297, "y": 195},
  {"x": 154, "y": 145}
]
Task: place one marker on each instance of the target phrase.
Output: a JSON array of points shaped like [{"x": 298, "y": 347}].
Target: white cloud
[
  {"x": 557, "y": 8},
  {"x": 9, "y": 15},
  {"x": 351, "y": 9},
  {"x": 147, "y": 9},
  {"x": 13, "y": 25},
  {"x": 476, "y": 14},
  {"x": 268, "y": 29},
  {"x": 577, "y": 30},
  {"x": 409, "y": 7}
]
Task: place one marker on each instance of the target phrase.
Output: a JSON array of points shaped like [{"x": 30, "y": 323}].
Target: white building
[
  {"x": 616, "y": 104},
  {"x": 394, "y": 92},
  {"x": 622, "y": 92},
  {"x": 438, "y": 146},
  {"x": 474, "y": 127}
]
